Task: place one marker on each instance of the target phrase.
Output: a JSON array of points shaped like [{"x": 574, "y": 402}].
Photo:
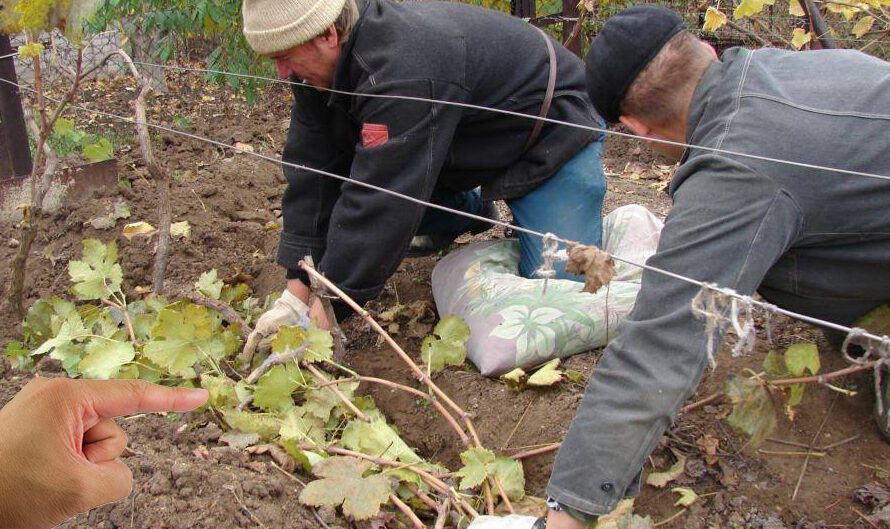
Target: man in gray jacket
[{"x": 810, "y": 240}]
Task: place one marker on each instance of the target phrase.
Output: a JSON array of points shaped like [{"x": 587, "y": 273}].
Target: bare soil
[{"x": 185, "y": 478}]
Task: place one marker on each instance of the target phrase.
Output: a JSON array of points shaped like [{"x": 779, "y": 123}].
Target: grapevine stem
[
  {"x": 406, "y": 511},
  {"x": 273, "y": 360},
  {"x": 821, "y": 379},
  {"x": 315, "y": 275},
  {"x": 333, "y": 389},
  {"x": 411, "y": 391},
  {"x": 127, "y": 321}
]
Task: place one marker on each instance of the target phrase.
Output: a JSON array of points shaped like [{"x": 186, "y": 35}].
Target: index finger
[{"x": 115, "y": 398}]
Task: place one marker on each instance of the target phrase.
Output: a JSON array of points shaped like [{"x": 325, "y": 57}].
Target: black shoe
[{"x": 424, "y": 245}]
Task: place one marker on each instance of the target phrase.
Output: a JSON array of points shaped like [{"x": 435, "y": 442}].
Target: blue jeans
[{"x": 568, "y": 204}]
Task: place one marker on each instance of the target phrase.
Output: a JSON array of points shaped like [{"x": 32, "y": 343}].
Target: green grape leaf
[
  {"x": 548, "y": 375},
  {"x": 128, "y": 372},
  {"x": 221, "y": 390},
  {"x": 344, "y": 482},
  {"x": 438, "y": 353},
  {"x": 515, "y": 379},
  {"x": 300, "y": 425},
  {"x": 44, "y": 319},
  {"x": 476, "y": 467},
  {"x": 378, "y": 439},
  {"x": 63, "y": 127},
  {"x": 305, "y": 458},
  {"x": 511, "y": 476},
  {"x": 453, "y": 328},
  {"x": 274, "y": 390},
  {"x": 321, "y": 345},
  {"x": 70, "y": 330},
  {"x": 322, "y": 401},
  {"x": 660, "y": 480},
  {"x": 448, "y": 345},
  {"x": 266, "y": 426},
  {"x": 182, "y": 337},
  {"x": 802, "y": 357},
  {"x": 575, "y": 376},
  {"x": 97, "y": 275},
  {"x": 234, "y": 293},
  {"x": 320, "y": 348},
  {"x": 19, "y": 356},
  {"x": 104, "y": 358},
  {"x": 753, "y": 411},
  {"x": 687, "y": 496},
  {"x": 209, "y": 285},
  {"x": 100, "y": 151},
  {"x": 773, "y": 364},
  {"x": 795, "y": 396}
]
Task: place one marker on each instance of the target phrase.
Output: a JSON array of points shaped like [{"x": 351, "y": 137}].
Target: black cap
[{"x": 626, "y": 44}]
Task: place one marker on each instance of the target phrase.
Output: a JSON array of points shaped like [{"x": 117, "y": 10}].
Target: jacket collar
[{"x": 342, "y": 71}]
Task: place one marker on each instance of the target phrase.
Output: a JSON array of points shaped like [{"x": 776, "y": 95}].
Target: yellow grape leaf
[
  {"x": 863, "y": 26},
  {"x": 750, "y": 7},
  {"x": 344, "y": 482},
  {"x": 136, "y": 229},
  {"x": 714, "y": 19},
  {"x": 687, "y": 496},
  {"x": 800, "y": 37},
  {"x": 660, "y": 480},
  {"x": 795, "y": 9}
]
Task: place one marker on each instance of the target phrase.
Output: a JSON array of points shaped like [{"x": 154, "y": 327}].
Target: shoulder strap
[{"x": 548, "y": 97}]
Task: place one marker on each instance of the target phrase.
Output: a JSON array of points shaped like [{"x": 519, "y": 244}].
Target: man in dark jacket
[
  {"x": 550, "y": 176},
  {"x": 814, "y": 241}
]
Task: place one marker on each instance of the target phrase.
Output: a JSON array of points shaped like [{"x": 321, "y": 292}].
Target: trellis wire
[
  {"x": 875, "y": 345},
  {"x": 525, "y": 116}
]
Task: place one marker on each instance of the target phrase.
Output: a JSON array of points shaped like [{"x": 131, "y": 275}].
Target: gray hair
[{"x": 347, "y": 20}]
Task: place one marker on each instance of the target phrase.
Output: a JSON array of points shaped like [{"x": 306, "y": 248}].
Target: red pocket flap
[{"x": 374, "y": 135}]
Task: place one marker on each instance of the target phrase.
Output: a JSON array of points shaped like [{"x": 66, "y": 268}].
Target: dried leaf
[
  {"x": 753, "y": 411},
  {"x": 863, "y": 26},
  {"x": 708, "y": 445},
  {"x": 800, "y": 37},
  {"x": 795, "y": 9},
  {"x": 181, "y": 230},
  {"x": 515, "y": 379},
  {"x": 595, "y": 265},
  {"x": 610, "y": 521},
  {"x": 239, "y": 440},
  {"x": 687, "y": 496},
  {"x": 137, "y": 229},
  {"x": 660, "y": 480},
  {"x": 548, "y": 375},
  {"x": 714, "y": 19}
]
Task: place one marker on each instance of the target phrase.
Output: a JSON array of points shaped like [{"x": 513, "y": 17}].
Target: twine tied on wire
[{"x": 550, "y": 254}]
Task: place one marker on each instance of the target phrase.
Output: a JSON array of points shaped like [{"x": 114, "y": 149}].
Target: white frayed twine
[
  {"x": 856, "y": 336},
  {"x": 742, "y": 320},
  {"x": 710, "y": 305},
  {"x": 883, "y": 352},
  {"x": 550, "y": 254}
]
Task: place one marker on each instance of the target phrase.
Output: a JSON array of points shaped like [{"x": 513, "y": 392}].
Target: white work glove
[
  {"x": 514, "y": 521},
  {"x": 287, "y": 310}
]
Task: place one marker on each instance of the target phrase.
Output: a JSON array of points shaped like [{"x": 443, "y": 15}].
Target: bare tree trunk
[
  {"x": 141, "y": 45},
  {"x": 39, "y": 186},
  {"x": 162, "y": 181}
]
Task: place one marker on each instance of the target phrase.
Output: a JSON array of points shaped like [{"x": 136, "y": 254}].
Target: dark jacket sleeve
[
  {"x": 309, "y": 197},
  {"x": 728, "y": 226},
  {"x": 370, "y": 231}
]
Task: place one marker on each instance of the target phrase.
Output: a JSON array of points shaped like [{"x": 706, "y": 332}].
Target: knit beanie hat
[
  {"x": 271, "y": 26},
  {"x": 623, "y": 48}
]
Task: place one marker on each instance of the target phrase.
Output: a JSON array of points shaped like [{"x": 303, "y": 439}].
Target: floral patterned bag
[{"x": 513, "y": 323}]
